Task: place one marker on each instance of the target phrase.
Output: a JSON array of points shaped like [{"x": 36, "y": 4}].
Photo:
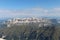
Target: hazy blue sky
[{"x": 25, "y": 8}]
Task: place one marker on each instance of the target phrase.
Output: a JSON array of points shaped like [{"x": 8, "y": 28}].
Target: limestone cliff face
[{"x": 18, "y": 21}]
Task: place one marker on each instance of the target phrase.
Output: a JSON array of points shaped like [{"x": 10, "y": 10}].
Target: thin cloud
[{"x": 31, "y": 12}]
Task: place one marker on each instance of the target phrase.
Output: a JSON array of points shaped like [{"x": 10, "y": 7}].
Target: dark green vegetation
[{"x": 31, "y": 32}]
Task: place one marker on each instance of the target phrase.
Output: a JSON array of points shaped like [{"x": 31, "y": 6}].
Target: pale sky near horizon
[{"x": 26, "y": 8}]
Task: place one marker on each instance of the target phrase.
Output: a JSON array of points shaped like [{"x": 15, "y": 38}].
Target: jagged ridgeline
[{"x": 31, "y": 31}]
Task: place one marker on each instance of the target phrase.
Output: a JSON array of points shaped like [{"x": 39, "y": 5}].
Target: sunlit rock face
[{"x": 19, "y": 21}]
